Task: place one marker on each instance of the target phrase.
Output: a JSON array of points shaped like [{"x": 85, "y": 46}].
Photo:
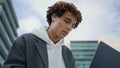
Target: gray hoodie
[{"x": 55, "y": 58}]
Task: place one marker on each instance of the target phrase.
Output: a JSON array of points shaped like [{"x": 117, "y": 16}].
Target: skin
[{"x": 61, "y": 26}]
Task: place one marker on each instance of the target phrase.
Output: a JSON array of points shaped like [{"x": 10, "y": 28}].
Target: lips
[{"x": 65, "y": 32}]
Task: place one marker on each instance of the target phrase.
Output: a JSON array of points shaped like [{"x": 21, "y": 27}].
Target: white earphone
[{"x": 53, "y": 18}]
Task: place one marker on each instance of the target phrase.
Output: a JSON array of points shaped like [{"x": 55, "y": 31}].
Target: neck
[{"x": 53, "y": 37}]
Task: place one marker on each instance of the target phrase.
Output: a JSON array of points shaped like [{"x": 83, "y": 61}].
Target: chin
[{"x": 63, "y": 37}]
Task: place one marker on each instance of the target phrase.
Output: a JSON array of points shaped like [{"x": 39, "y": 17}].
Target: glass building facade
[
  {"x": 83, "y": 52},
  {"x": 8, "y": 28}
]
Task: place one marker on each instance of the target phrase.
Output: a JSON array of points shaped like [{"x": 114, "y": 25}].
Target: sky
[{"x": 100, "y": 17}]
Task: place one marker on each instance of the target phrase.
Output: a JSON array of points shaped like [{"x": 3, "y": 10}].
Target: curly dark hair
[{"x": 59, "y": 8}]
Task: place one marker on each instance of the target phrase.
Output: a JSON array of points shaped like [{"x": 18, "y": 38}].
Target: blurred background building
[
  {"x": 8, "y": 28},
  {"x": 83, "y": 52}
]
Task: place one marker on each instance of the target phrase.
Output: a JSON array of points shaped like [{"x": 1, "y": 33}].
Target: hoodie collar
[{"x": 41, "y": 33}]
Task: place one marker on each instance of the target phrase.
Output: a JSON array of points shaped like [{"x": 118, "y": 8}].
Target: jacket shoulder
[
  {"x": 66, "y": 49},
  {"x": 31, "y": 37}
]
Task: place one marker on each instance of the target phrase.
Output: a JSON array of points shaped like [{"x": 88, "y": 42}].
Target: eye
[{"x": 67, "y": 21}]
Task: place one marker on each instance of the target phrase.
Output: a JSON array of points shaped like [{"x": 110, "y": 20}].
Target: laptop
[{"x": 105, "y": 57}]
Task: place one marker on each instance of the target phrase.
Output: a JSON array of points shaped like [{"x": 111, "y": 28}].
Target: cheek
[
  {"x": 59, "y": 26},
  {"x": 58, "y": 29},
  {"x": 62, "y": 25}
]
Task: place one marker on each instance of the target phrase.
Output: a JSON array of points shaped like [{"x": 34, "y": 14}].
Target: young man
[{"x": 43, "y": 48}]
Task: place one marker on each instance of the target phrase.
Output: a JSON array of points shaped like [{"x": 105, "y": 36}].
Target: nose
[{"x": 69, "y": 27}]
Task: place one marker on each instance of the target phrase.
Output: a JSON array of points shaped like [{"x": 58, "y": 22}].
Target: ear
[{"x": 53, "y": 17}]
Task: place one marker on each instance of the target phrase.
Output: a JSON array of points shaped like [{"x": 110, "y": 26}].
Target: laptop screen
[{"x": 105, "y": 57}]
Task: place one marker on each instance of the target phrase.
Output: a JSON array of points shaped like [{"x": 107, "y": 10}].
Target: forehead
[{"x": 68, "y": 15}]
